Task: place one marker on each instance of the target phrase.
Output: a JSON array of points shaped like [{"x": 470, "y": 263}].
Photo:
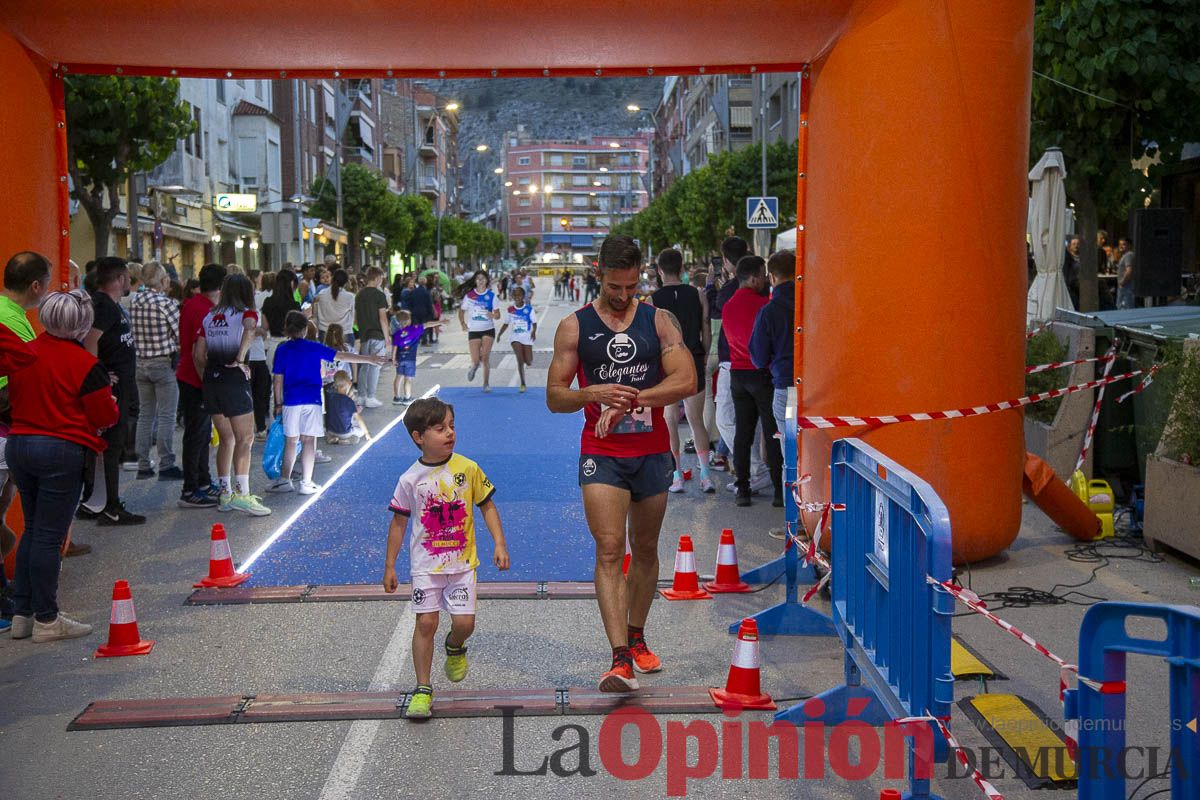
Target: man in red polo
[
  {"x": 197, "y": 424},
  {"x": 750, "y": 386}
]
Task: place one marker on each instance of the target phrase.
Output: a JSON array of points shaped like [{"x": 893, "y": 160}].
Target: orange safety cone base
[
  {"x": 750, "y": 702},
  {"x": 725, "y": 588},
  {"x": 228, "y": 582},
  {"x": 685, "y": 594},
  {"x": 113, "y": 650}
]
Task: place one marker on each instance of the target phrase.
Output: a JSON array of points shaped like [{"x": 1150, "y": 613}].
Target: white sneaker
[
  {"x": 281, "y": 486},
  {"x": 22, "y": 627},
  {"x": 676, "y": 483},
  {"x": 371, "y": 402},
  {"x": 471, "y": 372},
  {"x": 321, "y": 458},
  {"x": 63, "y": 627},
  {"x": 308, "y": 487}
]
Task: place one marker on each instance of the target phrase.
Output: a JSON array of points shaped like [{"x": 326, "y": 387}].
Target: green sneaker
[
  {"x": 225, "y": 501},
  {"x": 456, "y": 661},
  {"x": 250, "y": 504},
  {"x": 420, "y": 704}
]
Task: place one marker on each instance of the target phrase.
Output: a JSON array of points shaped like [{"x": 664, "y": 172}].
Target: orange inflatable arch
[{"x": 912, "y": 175}]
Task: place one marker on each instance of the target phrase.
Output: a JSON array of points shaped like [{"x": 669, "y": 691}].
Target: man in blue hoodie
[{"x": 772, "y": 339}]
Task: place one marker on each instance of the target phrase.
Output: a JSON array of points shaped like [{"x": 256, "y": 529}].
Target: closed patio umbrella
[{"x": 1047, "y": 227}]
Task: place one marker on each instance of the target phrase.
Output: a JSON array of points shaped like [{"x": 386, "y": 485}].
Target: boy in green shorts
[{"x": 437, "y": 492}]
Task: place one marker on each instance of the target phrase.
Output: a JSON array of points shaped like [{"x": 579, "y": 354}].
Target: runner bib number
[{"x": 640, "y": 420}]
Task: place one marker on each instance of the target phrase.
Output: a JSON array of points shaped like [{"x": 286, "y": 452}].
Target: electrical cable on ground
[{"x": 1101, "y": 553}]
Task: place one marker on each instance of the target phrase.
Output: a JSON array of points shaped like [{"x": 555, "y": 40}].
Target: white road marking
[
  {"x": 347, "y": 768},
  {"x": 287, "y": 524}
]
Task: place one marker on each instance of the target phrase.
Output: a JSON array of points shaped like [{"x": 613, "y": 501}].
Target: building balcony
[
  {"x": 429, "y": 186},
  {"x": 428, "y": 148}
]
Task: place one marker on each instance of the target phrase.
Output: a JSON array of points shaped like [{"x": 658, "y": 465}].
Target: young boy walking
[
  {"x": 437, "y": 492},
  {"x": 297, "y": 370}
]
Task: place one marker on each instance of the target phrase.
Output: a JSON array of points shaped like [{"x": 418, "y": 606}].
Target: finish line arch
[{"x": 913, "y": 187}]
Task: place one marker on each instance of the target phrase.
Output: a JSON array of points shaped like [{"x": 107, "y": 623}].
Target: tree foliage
[
  {"x": 698, "y": 209},
  {"x": 117, "y": 126},
  {"x": 1132, "y": 90}
]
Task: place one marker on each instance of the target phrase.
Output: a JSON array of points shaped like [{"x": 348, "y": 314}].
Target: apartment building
[{"x": 569, "y": 194}]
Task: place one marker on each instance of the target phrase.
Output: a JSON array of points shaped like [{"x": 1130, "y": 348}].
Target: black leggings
[{"x": 260, "y": 391}]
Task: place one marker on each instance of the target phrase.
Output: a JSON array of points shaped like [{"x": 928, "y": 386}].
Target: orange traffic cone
[
  {"x": 220, "y": 563},
  {"x": 686, "y": 585},
  {"x": 742, "y": 688},
  {"x": 728, "y": 577},
  {"x": 889, "y": 794},
  {"x": 123, "y": 637},
  {"x": 628, "y": 556}
]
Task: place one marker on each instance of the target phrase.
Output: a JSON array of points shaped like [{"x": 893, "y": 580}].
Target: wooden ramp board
[
  {"x": 364, "y": 592},
  {"x": 1031, "y": 743},
  {"x": 332, "y": 706},
  {"x": 965, "y": 663}
]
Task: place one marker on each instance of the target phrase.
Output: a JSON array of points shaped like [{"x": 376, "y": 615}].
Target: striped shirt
[{"x": 155, "y": 321}]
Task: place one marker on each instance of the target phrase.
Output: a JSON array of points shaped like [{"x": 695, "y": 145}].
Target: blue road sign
[{"x": 762, "y": 212}]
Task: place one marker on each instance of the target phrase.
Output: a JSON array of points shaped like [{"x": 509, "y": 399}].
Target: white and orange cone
[
  {"x": 743, "y": 688},
  {"x": 220, "y": 563},
  {"x": 686, "y": 585},
  {"x": 728, "y": 577},
  {"x": 123, "y": 636}
]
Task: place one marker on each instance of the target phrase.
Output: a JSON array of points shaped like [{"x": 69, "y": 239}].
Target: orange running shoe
[
  {"x": 619, "y": 679},
  {"x": 644, "y": 661}
]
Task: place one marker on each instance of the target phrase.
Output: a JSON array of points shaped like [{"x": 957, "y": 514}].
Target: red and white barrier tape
[
  {"x": 1146, "y": 381},
  {"x": 985, "y": 786},
  {"x": 1091, "y": 431},
  {"x": 846, "y": 422},
  {"x": 1060, "y": 364},
  {"x": 1038, "y": 329}
]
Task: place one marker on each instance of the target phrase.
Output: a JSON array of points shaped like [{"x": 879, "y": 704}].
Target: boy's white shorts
[
  {"x": 453, "y": 593},
  {"x": 305, "y": 420}
]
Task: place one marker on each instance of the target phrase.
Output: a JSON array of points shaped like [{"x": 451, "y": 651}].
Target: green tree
[
  {"x": 1114, "y": 82},
  {"x": 424, "y": 225},
  {"x": 117, "y": 126},
  {"x": 391, "y": 218},
  {"x": 363, "y": 196},
  {"x": 699, "y": 207},
  {"x": 531, "y": 244}
]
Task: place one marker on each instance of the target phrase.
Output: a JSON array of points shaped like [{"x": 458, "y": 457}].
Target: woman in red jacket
[{"x": 59, "y": 405}]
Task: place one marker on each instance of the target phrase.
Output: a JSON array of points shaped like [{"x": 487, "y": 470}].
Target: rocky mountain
[{"x": 549, "y": 108}]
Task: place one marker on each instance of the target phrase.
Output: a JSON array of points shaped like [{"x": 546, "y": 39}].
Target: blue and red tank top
[{"x": 631, "y": 357}]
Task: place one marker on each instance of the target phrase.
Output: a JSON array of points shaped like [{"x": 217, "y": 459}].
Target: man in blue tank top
[{"x": 630, "y": 361}]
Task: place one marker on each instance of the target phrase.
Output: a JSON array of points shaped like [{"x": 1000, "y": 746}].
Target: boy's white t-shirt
[
  {"x": 520, "y": 322},
  {"x": 438, "y": 499}
]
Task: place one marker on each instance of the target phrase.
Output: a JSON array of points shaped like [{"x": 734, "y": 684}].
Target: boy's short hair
[
  {"x": 749, "y": 266},
  {"x": 295, "y": 324},
  {"x": 341, "y": 379},
  {"x": 425, "y": 413},
  {"x": 670, "y": 261},
  {"x": 404, "y": 317},
  {"x": 782, "y": 264}
]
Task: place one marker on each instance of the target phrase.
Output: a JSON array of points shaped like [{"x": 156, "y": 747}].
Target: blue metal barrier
[
  {"x": 788, "y": 618},
  {"x": 894, "y": 624},
  {"x": 1100, "y": 707}
]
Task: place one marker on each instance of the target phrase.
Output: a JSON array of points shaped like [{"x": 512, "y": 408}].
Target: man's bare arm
[
  {"x": 705, "y": 328},
  {"x": 560, "y": 397},
  {"x": 679, "y": 368}
]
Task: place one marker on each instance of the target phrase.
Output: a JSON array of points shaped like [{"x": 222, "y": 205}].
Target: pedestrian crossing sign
[{"x": 762, "y": 212}]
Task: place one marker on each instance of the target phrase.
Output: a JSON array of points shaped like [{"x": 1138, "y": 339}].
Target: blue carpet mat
[{"x": 530, "y": 455}]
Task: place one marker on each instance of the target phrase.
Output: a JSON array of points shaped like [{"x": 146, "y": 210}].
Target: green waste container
[{"x": 1124, "y": 431}]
